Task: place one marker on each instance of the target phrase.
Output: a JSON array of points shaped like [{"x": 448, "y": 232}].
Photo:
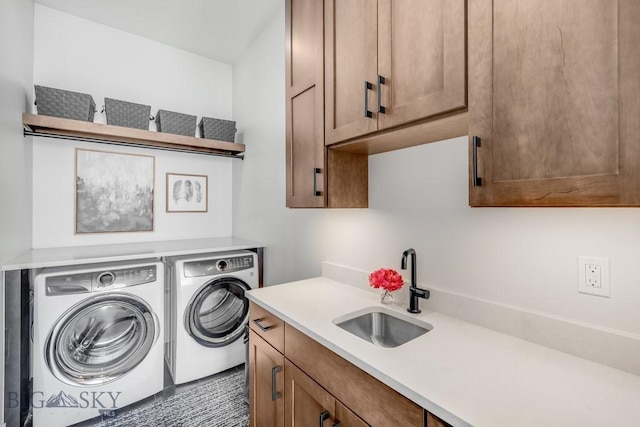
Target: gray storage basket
[
  {"x": 65, "y": 104},
  {"x": 176, "y": 123},
  {"x": 127, "y": 114},
  {"x": 222, "y": 130}
]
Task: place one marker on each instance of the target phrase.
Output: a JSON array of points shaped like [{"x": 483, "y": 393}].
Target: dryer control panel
[
  {"x": 78, "y": 283},
  {"x": 211, "y": 267}
]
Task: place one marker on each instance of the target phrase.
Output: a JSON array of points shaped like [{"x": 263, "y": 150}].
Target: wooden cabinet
[
  {"x": 554, "y": 98},
  {"x": 307, "y": 384},
  {"x": 315, "y": 178},
  {"x": 376, "y": 403},
  {"x": 266, "y": 388},
  {"x": 389, "y": 63},
  {"x": 305, "y": 104},
  {"x": 308, "y": 404}
]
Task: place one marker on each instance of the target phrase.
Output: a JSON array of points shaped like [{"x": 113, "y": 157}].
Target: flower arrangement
[{"x": 387, "y": 279}]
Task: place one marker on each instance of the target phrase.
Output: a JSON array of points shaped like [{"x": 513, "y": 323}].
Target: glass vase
[{"x": 386, "y": 297}]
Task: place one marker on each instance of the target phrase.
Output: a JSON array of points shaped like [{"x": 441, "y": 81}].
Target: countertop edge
[{"x": 80, "y": 255}]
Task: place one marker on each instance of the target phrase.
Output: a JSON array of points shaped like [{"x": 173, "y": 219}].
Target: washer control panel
[
  {"x": 77, "y": 283},
  {"x": 211, "y": 267}
]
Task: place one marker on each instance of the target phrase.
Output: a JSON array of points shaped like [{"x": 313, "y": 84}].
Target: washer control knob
[
  {"x": 106, "y": 279},
  {"x": 222, "y": 265}
]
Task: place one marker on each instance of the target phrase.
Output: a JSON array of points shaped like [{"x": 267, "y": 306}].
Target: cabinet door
[
  {"x": 306, "y": 404},
  {"x": 422, "y": 58},
  {"x": 350, "y": 62},
  {"x": 306, "y": 172},
  {"x": 554, "y": 98},
  {"x": 266, "y": 387}
]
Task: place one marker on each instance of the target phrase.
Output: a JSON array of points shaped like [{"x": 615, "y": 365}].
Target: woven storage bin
[
  {"x": 176, "y": 123},
  {"x": 65, "y": 104},
  {"x": 127, "y": 114},
  {"x": 222, "y": 130}
]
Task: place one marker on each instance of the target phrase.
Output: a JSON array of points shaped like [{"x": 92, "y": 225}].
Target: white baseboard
[{"x": 613, "y": 348}]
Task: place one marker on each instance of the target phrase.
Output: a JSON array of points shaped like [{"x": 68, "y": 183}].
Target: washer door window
[
  {"x": 100, "y": 339},
  {"x": 218, "y": 312}
]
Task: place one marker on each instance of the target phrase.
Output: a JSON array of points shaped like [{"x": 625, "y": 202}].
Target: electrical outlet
[{"x": 593, "y": 276}]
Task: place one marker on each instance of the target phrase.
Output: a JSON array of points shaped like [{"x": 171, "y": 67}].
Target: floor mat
[{"x": 217, "y": 403}]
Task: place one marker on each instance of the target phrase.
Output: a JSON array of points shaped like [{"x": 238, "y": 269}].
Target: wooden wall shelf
[{"x": 55, "y": 127}]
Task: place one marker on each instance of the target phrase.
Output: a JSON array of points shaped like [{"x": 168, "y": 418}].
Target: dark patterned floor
[{"x": 215, "y": 401}]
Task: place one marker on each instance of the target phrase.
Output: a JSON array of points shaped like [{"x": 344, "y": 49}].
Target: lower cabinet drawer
[{"x": 267, "y": 326}]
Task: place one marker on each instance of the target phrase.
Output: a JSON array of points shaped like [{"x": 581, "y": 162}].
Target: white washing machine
[
  {"x": 97, "y": 339},
  {"x": 209, "y": 312}
]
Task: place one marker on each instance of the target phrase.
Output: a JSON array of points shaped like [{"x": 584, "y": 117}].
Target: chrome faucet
[{"x": 414, "y": 291}]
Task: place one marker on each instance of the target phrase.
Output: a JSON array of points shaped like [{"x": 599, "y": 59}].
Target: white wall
[
  {"x": 16, "y": 80},
  {"x": 258, "y": 181},
  {"x": 83, "y": 56},
  {"x": 418, "y": 197}
]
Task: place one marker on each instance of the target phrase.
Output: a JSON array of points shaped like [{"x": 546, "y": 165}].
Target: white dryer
[
  {"x": 97, "y": 343},
  {"x": 209, "y": 312}
]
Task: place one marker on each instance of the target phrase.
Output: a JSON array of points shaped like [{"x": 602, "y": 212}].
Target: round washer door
[
  {"x": 218, "y": 312},
  {"x": 100, "y": 339}
]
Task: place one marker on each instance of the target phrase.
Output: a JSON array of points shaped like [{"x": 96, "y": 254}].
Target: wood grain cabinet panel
[
  {"x": 267, "y": 326},
  {"x": 351, "y": 64},
  {"x": 308, "y": 404},
  {"x": 305, "y": 155},
  {"x": 422, "y": 57},
  {"x": 392, "y": 62},
  {"x": 553, "y": 94},
  {"x": 314, "y": 179},
  {"x": 351, "y": 385},
  {"x": 266, "y": 373}
]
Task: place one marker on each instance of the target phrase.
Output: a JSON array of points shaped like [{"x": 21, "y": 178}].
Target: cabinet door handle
[
  {"x": 263, "y": 328},
  {"x": 367, "y": 87},
  {"x": 316, "y": 171},
  {"x": 274, "y": 393},
  {"x": 381, "y": 81},
  {"x": 476, "y": 142},
  {"x": 324, "y": 415}
]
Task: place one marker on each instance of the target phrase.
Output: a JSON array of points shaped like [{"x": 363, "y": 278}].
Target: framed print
[
  {"x": 114, "y": 192},
  {"x": 187, "y": 193}
]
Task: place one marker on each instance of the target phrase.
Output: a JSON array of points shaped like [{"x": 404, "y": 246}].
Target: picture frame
[
  {"x": 187, "y": 193},
  {"x": 114, "y": 192}
]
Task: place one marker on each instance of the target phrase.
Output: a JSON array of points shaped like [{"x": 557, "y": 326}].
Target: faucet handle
[{"x": 419, "y": 292}]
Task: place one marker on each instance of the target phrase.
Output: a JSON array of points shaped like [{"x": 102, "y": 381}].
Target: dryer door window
[
  {"x": 100, "y": 339},
  {"x": 218, "y": 312}
]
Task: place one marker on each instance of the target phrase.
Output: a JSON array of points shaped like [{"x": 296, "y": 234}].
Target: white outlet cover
[{"x": 605, "y": 289}]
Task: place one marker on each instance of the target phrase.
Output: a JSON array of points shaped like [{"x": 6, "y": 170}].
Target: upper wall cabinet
[
  {"x": 305, "y": 104},
  {"x": 554, "y": 102},
  {"x": 316, "y": 177},
  {"x": 389, "y": 63}
]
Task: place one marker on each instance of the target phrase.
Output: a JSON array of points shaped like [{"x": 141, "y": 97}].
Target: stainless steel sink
[{"x": 382, "y": 327}]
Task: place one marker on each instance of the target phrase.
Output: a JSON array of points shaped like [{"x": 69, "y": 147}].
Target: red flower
[{"x": 386, "y": 278}]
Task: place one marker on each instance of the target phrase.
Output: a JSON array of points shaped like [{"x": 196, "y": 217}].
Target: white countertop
[
  {"x": 56, "y": 257},
  {"x": 465, "y": 374}
]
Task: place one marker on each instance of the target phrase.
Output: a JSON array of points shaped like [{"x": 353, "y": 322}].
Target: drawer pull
[
  {"x": 475, "y": 143},
  {"x": 274, "y": 393},
  {"x": 316, "y": 171},
  {"x": 324, "y": 415},
  {"x": 263, "y": 328},
  {"x": 381, "y": 81},
  {"x": 367, "y": 87}
]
